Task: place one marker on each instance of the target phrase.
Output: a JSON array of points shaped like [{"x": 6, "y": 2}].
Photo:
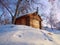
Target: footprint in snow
[
  {"x": 47, "y": 37},
  {"x": 11, "y": 26},
  {"x": 19, "y": 35}
]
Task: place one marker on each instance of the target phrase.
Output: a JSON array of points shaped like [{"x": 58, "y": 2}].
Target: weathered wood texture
[{"x": 32, "y": 20}]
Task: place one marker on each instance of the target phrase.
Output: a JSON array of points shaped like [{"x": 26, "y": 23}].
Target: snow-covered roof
[{"x": 26, "y": 14}]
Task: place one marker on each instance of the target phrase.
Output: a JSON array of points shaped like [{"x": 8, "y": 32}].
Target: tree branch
[{"x": 6, "y": 7}]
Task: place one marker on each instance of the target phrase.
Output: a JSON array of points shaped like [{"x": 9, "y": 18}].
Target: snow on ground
[{"x": 24, "y": 35}]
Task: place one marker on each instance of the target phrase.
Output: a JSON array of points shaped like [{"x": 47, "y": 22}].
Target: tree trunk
[
  {"x": 17, "y": 6},
  {"x": 12, "y": 19},
  {"x": 51, "y": 27}
]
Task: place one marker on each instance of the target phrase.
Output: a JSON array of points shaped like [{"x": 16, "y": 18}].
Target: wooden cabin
[{"x": 33, "y": 20}]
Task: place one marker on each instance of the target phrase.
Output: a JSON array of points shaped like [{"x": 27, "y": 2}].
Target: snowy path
[{"x": 24, "y": 35}]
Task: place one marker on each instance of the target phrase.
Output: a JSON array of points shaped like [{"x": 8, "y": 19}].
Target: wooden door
[{"x": 34, "y": 23}]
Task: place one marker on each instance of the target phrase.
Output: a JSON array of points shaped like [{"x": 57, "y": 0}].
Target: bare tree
[
  {"x": 13, "y": 17},
  {"x": 18, "y": 7},
  {"x": 52, "y": 17}
]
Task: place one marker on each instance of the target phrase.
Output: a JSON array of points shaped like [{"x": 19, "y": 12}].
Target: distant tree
[
  {"x": 52, "y": 17},
  {"x": 1, "y": 17}
]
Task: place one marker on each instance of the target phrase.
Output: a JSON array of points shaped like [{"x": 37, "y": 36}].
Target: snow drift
[{"x": 24, "y": 35}]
